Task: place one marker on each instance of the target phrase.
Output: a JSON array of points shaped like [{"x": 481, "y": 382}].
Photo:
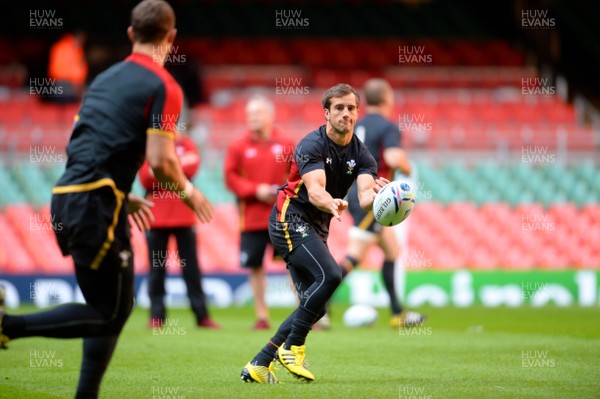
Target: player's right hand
[
  {"x": 265, "y": 193},
  {"x": 337, "y": 207},
  {"x": 201, "y": 206}
]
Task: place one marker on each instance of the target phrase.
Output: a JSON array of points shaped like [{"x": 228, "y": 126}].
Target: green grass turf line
[{"x": 459, "y": 353}]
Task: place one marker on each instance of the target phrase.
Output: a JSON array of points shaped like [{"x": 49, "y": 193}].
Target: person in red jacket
[
  {"x": 256, "y": 164},
  {"x": 174, "y": 218}
]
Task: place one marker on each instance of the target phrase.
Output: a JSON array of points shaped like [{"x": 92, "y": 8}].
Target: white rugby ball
[
  {"x": 360, "y": 316},
  {"x": 393, "y": 203}
]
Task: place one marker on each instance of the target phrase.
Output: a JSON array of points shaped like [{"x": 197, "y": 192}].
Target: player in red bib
[{"x": 172, "y": 218}]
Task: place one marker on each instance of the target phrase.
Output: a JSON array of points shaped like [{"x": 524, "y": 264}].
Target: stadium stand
[
  {"x": 507, "y": 165},
  {"x": 485, "y": 216}
]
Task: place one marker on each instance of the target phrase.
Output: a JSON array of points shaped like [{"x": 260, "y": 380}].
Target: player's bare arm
[
  {"x": 162, "y": 158},
  {"x": 368, "y": 187},
  {"x": 396, "y": 158},
  {"x": 319, "y": 197}
]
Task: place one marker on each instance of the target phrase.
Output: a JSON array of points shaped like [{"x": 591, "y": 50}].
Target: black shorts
[
  {"x": 289, "y": 235},
  {"x": 253, "y": 245},
  {"x": 88, "y": 224},
  {"x": 364, "y": 220}
]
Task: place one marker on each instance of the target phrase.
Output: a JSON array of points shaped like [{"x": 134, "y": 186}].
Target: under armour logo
[{"x": 328, "y": 161}]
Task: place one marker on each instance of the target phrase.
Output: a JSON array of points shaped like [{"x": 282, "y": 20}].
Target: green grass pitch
[{"x": 459, "y": 353}]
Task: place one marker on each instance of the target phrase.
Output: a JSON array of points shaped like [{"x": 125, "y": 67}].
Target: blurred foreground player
[
  {"x": 326, "y": 163},
  {"x": 172, "y": 218},
  {"x": 125, "y": 116},
  {"x": 382, "y": 138},
  {"x": 256, "y": 165}
]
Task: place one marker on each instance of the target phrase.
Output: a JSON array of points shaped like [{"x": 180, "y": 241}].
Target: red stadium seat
[
  {"x": 16, "y": 258},
  {"x": 35, "y": 228}
]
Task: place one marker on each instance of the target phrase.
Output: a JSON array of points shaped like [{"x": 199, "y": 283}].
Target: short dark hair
[
  {"x": 339, "y": 90},
  {"x": 375, "y": 90},
  {"x": 151, "y": 20}
]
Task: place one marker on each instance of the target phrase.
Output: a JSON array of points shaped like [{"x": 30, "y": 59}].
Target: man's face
[
  {"x": 342, "y": 113},
  {"x": 258, "y": 117}
]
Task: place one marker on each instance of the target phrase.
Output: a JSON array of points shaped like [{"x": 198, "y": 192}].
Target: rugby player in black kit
[
  {"x": 326, "y": 163},
  {"x": 129, "y": 112},
  {"x": 383, "y": 139}
]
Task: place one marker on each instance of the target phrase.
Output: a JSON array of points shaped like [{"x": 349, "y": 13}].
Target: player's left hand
[
  {"x": 139, "y": 209},
  {"x": 380, "y": 183}
]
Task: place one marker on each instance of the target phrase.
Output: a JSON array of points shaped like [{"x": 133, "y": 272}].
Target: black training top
[
  {"x": 129, "y": 100},
  {"x": 342, "y": 165},
  {"x": 378, "y": 134}
]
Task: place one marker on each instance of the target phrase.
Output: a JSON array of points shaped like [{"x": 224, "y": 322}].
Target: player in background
[
  {"x": 125, "y": 116},
  {"x": 256, "y": 164},
  {"x": 326, "y": 163},
  {"x": 68, "y": 66},
  {"x": 383, "y": 139},
  {"x": 172, "y": 218}
]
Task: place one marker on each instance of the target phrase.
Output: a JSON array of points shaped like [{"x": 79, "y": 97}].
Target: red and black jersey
[
  {"x": 378, "y": 134},
  {"x": 250, "y": 162},
  {"x": 130, "y": 99},
  {"x": 342, "y": 165}
]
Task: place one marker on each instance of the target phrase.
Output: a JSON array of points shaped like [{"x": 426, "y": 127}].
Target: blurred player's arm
[
  {"x": 190, "y": 159},
  {"x": 396, "y": 158},
  {"x": 163, "y": 159},
  {"x": 146, "y": 177},
  {"x": 162, "y": 155},
  {"x": 318, "y": 196},
  {"x": 190, "y": 163},
  {"x": 367, "y": 187}
]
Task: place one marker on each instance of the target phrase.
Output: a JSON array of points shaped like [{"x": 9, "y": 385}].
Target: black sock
[
  {"x": 301, "y": 326},
  {"x": 13, "y": 326},
  {"x": 348, "y": 261},
  {"x": 388, "y": 280},
  {"x": 266, "y": 354},
  {"x": 97, "y": 352},
  {"x": 344, "y": 272},
  {"x": 70, "y": 320}
]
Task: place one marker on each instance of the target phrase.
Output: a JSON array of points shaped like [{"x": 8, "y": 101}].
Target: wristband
[{"x": 187, "y": 191}]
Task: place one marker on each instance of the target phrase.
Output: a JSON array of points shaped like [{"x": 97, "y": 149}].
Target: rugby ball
[
  {"x": 360, "y": 316},
  {"x": 393, "y": 203}
]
